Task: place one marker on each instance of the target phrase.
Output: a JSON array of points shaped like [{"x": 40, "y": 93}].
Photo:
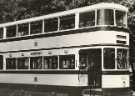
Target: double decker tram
[{"x": 80, "y": 52}]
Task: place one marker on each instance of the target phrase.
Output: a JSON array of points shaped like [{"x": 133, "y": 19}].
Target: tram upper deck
[{"x": 59, "y": 30}]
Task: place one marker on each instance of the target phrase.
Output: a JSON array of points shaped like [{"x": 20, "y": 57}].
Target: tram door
[{"x": 91, "y": 61}]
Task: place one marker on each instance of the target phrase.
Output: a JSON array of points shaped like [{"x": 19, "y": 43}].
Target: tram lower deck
[{"x": 80, "y": 72}]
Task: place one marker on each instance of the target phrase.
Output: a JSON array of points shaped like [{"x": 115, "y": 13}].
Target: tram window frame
[
  {"x": 24, "y": 63},
  {"x": 11, "y": 66},
  {"x": 102, "y": 15},
  {"x": 121, "y": 21},
  {"x": 110, "y": 56},
  {"x": 36, "y": 27},
  {"x": 63, "y": 58},
  {"x": 67, "y": 22},
  {"x": 37, "y": 64},
  {"x": 23, "y": 29},
  {"x": 11, "y": 31},
  {"x": 1, "y": 33},
  {"x": 121, "y": 59},
  {"x": 83, "y": 19},
  {"x": 51, "y": 24},
  {"x": 50, "y": 62}
]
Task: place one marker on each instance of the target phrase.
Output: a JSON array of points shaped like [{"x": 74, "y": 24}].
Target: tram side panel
[
  {"x": 115, "y": 81},
  {"x": 44, "y": 79},
  {"x": 72, "y": 40}
]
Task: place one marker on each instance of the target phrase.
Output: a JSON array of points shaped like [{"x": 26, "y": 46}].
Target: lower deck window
[
  {"x": 109, "y": 58},
  {"x": 1, "y": 61},
  {"x": 115, "y": 61},
  {"x": 35, "y": 62},
  {"x": 122, "y": 59},
  {"x": 41, "y": 62},
  {"x": 23, "y": 63},
  {"x": 50, "y": 62},
  {"x": 11, "y": 63},
  {"x": 67, "y": 62},
  {"x": 1, "y": 33}
]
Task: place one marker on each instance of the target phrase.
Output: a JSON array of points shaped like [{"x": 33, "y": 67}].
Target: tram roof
[{"x": 72, "y": 11}]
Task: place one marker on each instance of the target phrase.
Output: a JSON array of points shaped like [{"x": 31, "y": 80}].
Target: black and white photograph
[{"x": 67, "y": 47}]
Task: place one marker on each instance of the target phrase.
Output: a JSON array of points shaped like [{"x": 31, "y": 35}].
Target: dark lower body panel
[{"x": 47, "y": 90}]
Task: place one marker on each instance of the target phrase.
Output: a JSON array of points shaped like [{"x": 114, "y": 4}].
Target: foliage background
[{"x": 12, "y": 10}]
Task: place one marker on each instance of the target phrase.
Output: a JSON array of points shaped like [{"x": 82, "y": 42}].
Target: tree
[{"x": 12, "y": 10}]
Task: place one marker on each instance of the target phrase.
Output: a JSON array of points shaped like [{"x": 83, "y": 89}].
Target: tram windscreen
[
  {"x": 109, "y": 58},
  {"x": 105, "y": 17},
  {"x": 122, "y": 59},
  {"x": 120, "y": 18}
]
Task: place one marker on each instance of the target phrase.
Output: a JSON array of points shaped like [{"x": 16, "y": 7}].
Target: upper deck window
[
  {"x": 23, "y": 29},
  {"x": 11, "y": 31},
  {"x": 122, "y": 59},
  {"x": 87, "y": 19},
  {"x": 120, "y": 18},
  {"x": 51, "y": 25},
  {"x": 1, "y": 33},
  {"x": 109, "y": 58},
  {"x": 105, "y": 17},
  {"x": 67, "y": 22},
  {"x": 36, "y": 27}
]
